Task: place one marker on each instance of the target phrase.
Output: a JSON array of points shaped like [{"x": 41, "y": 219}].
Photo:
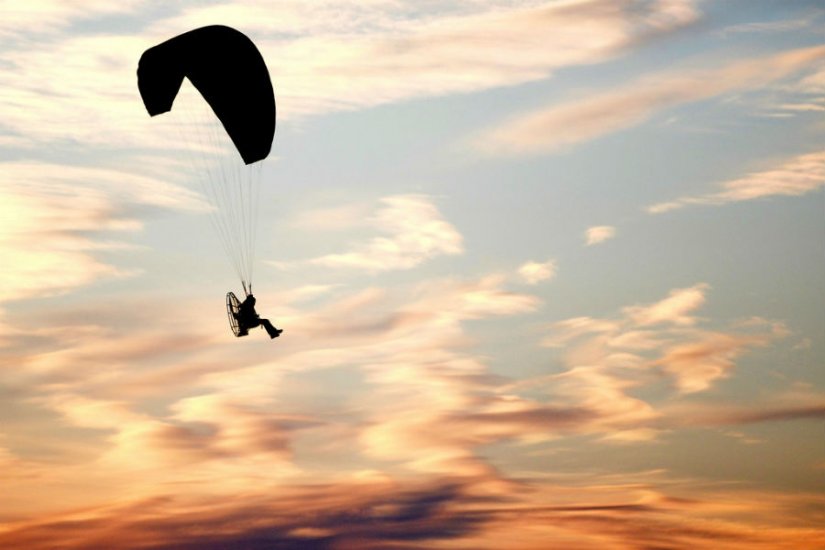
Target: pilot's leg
[{"x": 271, "y": 330}]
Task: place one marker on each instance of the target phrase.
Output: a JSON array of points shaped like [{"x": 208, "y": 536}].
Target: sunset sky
[{"x": 551, "y": 275}]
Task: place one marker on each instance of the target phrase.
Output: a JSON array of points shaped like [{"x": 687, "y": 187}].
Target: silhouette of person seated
[{"x": 248, "y": 318}]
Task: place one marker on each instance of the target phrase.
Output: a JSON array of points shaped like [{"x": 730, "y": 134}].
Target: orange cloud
[
  {"x": 443, "y": 512},
  {"x": 674, "y": 309},
  {"x": 417, "y": 402},
  {"x": 607, "y": 359}
]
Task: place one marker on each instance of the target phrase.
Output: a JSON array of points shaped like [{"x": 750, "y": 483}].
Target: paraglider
[
  {"x": 248, "y": 318},
  {"x": 230, "y": 74}
]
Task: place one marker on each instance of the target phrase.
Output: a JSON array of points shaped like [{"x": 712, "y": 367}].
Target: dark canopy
[{"x": 229, "y": 72}]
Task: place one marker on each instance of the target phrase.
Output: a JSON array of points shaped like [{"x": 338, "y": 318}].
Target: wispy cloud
[
  {"x": 773, "y": 410},
  {"x": 44, "y": 244},
  {"x": 456, "y": 53},
  {"x": 49, "y": 16},
  {"x": 325, "y": 57},
  {"x": 559, "y": 126},
  {"x": 762, "y": 27},
  {"x": 417, "y": 232},
  {"x": 796, "y": 176},
  {"x": 52, "y": 218},
  {"x": 79, "y": 91},
  {"x": 801, "y": 107}
]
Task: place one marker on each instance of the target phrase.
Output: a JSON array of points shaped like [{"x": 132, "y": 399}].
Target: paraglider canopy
[{"x": 229, "y": 72}]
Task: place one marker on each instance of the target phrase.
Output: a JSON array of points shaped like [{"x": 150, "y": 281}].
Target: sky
[{"x": 550, "y": 275}]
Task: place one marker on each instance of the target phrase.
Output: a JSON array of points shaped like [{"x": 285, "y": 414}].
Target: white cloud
[
  {"x": 118, "y": 185},
  {"x": 598, "y": 234},
  {"x": 417, "y": 232},
  {"x": 334, "y": 218},
  {"x": 534, "y": 272},
  {"x": 802, "y": 107}
]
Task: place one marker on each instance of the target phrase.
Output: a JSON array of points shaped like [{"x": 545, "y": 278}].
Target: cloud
[
  {"x": 802, "y": 107},
  {"x": 642, "y": 511},
  {"x": 205, "y": 433},
  {"x": 673, "y": 309},
  {"x": 119, "y": 185},
  {"x": 50, "y": 215},
  {"x": 324, "y": 57},
  {"x": 392, "y": 416},
  {"x": 49, "y": 16},
  {"x": 763, "y": 27},
  {"x": 94, "y": 74},
  {"x": 598, "y": 234},
  {"x": 796, "y": 176},
  {"x": 412, "y": 400},
  {"x": 334, "y": 218},
  {"x": 696, "y": 365},
  {"x": 417, "y": 233},
  {"x": 558, "y": 126},
  {"x": 294, "y": 17},
  {"x": 368, "y": 515},
  {"x": 533, "y": 272},
  {"x": 339, "y": 57},
  {"x": 771, "y": 411},
  {"x": 219, "y": 400},
  {"x": 43, "y": 242},
  {"x": 606, "y": 359},
  {"x": 812, "y": 84}
]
